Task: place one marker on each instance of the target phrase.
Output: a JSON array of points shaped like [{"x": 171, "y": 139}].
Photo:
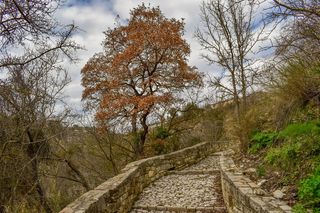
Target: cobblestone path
[{"x": 194, "y": 189}]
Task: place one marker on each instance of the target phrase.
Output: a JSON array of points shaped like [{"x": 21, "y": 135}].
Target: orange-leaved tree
[{"x": 142, "y": 68}]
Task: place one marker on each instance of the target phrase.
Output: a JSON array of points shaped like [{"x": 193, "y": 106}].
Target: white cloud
[
  {"x": 95, "y": 16},
  {"x": 92, "y": 19}
]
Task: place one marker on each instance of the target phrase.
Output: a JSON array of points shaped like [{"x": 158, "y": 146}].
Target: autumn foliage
[{"x": 142, "y": 67}]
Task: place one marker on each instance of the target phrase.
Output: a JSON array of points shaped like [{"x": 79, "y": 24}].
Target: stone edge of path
[
  {"x": 240, "y": 194},
  {"x": 119, "y": 193}
]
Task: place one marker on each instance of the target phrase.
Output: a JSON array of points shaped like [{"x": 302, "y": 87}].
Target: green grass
[
  {"x": 296, "y": 150},
  {"x": 300, "y": 129}
]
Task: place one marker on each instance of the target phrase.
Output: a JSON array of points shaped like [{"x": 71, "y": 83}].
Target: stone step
[
  {"x": 177, "y": 209},
  {"x": 194, "y": 189},
  {"x": 195, "y": 172},
  {"x": 198, "y": 190},
  {"x": 207, "y": 164}
]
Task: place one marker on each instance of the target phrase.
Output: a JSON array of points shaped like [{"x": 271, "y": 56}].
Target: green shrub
[
  {"x": 261, "y": 140},
  {"x": 272, "y": 156},
  {"x": 291, "y": 151},
  {"x": 298, "y": 140},
  {"x": 160, "y": 146},
  {"x": 310, "y": 147},
  {"x": 161, "y": 133},
  {"x": 283, "y": 156},
  {"x": 299, "y": 208},
  {"x": 159, "y": 143},
  {"x": 309, "y": 191},
  {"x": 310, "y": 187}
]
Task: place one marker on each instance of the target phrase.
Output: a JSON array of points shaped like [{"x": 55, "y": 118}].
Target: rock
[
  {"x": 151, "y": 173},
  {"x": 278, "y": 194},
  {"x": 259, "y": 191},
  {"x": 285, "y": 189},
  {"x": 250, "y": 171},
  {"x": 228, "y": 152},
  {"x": 261, "y": 182}
]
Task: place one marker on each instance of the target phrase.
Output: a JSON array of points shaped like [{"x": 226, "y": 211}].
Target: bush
[
  {"x": 298, "y": 208},
  {"x": 297, "y": 85},
  {"x": 272, "y": 156},
  {"x": 310, "y": 145},
  {"x": 159, "y": 142},
  {"x": 160, "y": 133},
  {"x": 261, "y": 140},
  {"x": 309, "y": 192},
  {"x": 162, "y": 141},
  {"x": 310, "y": 187},
  {"x": 300, "y": 139},
  {"x": 284, "y": 156},
  {"x": 160, "y": 147},
  {"x": 299, "y": 80}
]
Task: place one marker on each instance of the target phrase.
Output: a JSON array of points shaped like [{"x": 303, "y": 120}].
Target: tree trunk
[
  {"x": 235, "y": 97},
  {"x": 135, "y": 133},
  {"x": 83, "y": 180},
  {"x": 42, "y": 197},
  {"x": 114, "y": 165},
  {"x": 32, "y": 154},
  {"x": 143, "y": 135},
  {"x": 243, "y": 86}
]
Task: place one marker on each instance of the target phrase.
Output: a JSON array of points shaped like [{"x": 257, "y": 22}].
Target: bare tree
[
  {"x": 32, "y": 44},
  {"x": 29, "y": 96},
  {"x": 300, "y": 37},
  {"x": 229, "y": 35},
  {"x": 28, "y": 27},
  {"x": 286, "y": 8}
]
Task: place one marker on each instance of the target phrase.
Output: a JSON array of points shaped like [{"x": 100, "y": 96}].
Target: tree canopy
[{"x": 142, "y": 67}]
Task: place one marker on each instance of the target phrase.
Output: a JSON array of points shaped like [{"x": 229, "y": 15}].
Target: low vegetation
[{"x": 287, "y": 140}]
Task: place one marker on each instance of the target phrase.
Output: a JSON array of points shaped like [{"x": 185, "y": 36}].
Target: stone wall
[
  {"x": 242, "y": 195},
  {"x": 119, "y": 193}
]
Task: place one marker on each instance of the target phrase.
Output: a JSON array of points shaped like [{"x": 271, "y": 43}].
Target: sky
[{"x": 93, "y": 17}]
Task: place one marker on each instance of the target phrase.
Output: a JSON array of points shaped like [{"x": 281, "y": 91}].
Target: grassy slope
[{"x": 283, "y": 134}]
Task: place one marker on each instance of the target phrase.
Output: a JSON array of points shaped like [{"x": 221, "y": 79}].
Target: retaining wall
[
  {"x": 241, "y": 195},
  {"x": 119, "y": 193}
]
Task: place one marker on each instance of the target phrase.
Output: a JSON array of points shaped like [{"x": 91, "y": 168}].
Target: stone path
[{"x": 194, "y": 189}]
